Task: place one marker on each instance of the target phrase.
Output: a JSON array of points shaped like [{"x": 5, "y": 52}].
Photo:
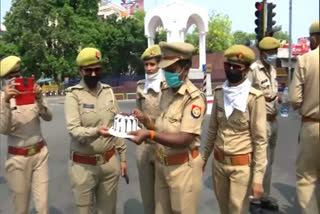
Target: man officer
[
  {"x": 263, "y": 76},
  {"x": 304, "y": 96}
]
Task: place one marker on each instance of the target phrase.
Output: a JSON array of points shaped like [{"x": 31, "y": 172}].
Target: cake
[{"x": 122, "y": 124}]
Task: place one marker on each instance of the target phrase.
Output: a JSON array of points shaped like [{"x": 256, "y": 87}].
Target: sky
[{"x": 241, "y": 13}]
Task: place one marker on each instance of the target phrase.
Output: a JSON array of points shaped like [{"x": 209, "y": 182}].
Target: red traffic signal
[{"x": 259, "y": 6}]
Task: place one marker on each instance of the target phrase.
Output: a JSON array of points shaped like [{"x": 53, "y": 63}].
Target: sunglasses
[
  {"x": 89, "y": 71},
  {"x": 233, "y": 66}
]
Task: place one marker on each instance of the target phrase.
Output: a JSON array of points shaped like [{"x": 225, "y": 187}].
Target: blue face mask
[
  {"x": 271, "y": 58},
  {"x": 172, "y": 79}
]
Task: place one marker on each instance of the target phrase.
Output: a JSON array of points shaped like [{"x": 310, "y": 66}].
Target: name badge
[{"x": 85, "y": 105}]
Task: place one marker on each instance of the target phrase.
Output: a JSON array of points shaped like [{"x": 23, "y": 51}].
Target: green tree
[
  {"x": 243, "y": 38},
  {"x": 280, "y": 35},
  {"x": 48, "y": 34},
  {"x": 219, "y": 36}
]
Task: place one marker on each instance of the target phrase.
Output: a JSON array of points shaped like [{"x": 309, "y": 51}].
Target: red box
[{"x": 25, "y": 87}]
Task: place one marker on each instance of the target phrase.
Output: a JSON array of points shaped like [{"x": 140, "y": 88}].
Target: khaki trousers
[
  {"x": 272, "y": 135},
  {"x": 178, "y": 187},
  {"x": 308, "y": 168},
  {"x": 146, "y": 170},
  {"x": 25, "y": 174},
  {"x": 232, "y": 186},
  {"x": 95, "y": 187}
]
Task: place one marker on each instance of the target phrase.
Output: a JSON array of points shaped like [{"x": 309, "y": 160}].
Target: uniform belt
[
  {"x": 27, "y": 151},
  {"x": 271, "y": 117},
  {"x": 176, "y": 159},
  {"x": 309, "y": 119},
  {"x": 268, "y": 99},
  {"x": 96, "y": 159},
  {"x": 234, "y": 160}
]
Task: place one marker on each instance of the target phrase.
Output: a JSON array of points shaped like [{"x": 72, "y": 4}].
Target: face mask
[
  {"x": 172, "y": 79},
  {"x": 91, "y": 81},
  {"x": 271, "y": 58},
  {"x": 234, "y": 76}
]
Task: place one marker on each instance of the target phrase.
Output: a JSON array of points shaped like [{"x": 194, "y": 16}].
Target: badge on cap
[
  {"x": 195, "y": 111},
  {"x": 97, "y": 55}
]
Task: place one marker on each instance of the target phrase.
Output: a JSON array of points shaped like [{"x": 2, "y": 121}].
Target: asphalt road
[{"x": 129, "y": 200}]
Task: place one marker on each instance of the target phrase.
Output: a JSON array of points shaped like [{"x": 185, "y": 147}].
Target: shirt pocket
[
  {"x": 174, "y": 122},
  {"x": 88, "y": 116},
  {"x": 107, "y": 114},
  {"x": 240, "y": 121}
]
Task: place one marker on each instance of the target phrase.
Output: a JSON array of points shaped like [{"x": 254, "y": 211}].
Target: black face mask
[
  {"x": 234, "y": 76},
  {"x": 91, "y": 81}
]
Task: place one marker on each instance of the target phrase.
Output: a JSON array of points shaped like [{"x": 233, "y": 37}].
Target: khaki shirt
[
  {"x": 149, "y": 103},
  {"x": 242, "y": 133},
  {"x": 266, "y": 82},
  {"x": 180, "y": 113},
  {"x": 22, "y": 123},
  {"x": 304, "y": 88},
  {"x": 85, "y": 112}
]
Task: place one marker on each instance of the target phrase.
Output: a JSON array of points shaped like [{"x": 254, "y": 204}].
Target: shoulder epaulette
[
  {"x": 75, "y": 87},
  {"x": 141, "y": 82}
]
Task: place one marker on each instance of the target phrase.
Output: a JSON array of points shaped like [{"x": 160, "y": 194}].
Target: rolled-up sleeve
[
  {"x": 212, "y": 132},
  {"x": 44, "y": 109},
  {"x": 5, "y": 116},
  {"x": 258, "y": 126},
  {"x": 74, "y": 126},
  {"x": 296, "y": 86}
]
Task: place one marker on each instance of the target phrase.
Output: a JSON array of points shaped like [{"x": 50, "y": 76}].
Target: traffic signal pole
[
  {"x": 290, "y": 42},
  {"x": 264, "y": 17}
]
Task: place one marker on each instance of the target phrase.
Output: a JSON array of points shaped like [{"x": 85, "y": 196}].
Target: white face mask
[{"x": 154, "y": 76}]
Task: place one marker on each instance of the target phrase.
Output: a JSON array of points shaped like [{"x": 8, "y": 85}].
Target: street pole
[
  {"x": 290, "y": 42},
  {"x": 264, "y": 18}
]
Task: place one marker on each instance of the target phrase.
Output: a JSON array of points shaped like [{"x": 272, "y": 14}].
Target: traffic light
[
  {"x": 259, "y": 20},
  {"x": 270, "y": 21}
]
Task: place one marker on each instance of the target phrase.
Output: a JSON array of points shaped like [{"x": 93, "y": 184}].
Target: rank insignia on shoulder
[
  {"x": 195, "y": 111},
  {"x": 85, "y": 105}
]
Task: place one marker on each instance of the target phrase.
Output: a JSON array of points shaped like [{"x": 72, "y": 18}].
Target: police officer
[
  {"x": 90, "y": 108},
  {"x": 237, "y": 135},
  {"x": 26, "y": 167},
  {"x": 263, "y": 77},
  {"x": 148, "y": 99},
  {"x": 304, "y": 96},
  {"x": 177, "y": 134}
]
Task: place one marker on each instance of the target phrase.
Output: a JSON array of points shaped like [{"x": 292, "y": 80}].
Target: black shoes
[{"x": 257, "y": 207}]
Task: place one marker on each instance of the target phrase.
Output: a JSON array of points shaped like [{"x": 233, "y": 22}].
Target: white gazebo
[{"x": 176, "y": 17}]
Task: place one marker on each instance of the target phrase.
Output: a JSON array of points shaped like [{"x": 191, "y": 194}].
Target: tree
[
  {"x": 219, "y": 36},
  {"x": 243, "y": 38},
  {"x": 48, "y": 35},
  {"x": 280, "y": 35}
]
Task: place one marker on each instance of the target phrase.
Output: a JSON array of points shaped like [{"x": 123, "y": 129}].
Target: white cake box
[{"x": 123, "y": 124}]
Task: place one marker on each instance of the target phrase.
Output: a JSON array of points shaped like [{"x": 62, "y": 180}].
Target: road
[{"x": 129, "y": 200}]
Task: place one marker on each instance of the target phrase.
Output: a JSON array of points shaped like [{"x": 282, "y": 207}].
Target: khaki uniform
[
  {"x": 149, "y": 105},
  {"x": 93, "y": 183},
  {"x": 178, "y": 187},
  {"x": 242, "y": 133},
  {"x": 304, "y": 95},
  {"x": 266, "y": 82},
  {"x": 25, "y": 173}
]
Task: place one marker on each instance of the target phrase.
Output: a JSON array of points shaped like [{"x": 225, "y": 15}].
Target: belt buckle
[
  {"x": 32, "y": 151},
  {"x": 162, "y": 158},
  {"x": 100, "y": 159}
]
